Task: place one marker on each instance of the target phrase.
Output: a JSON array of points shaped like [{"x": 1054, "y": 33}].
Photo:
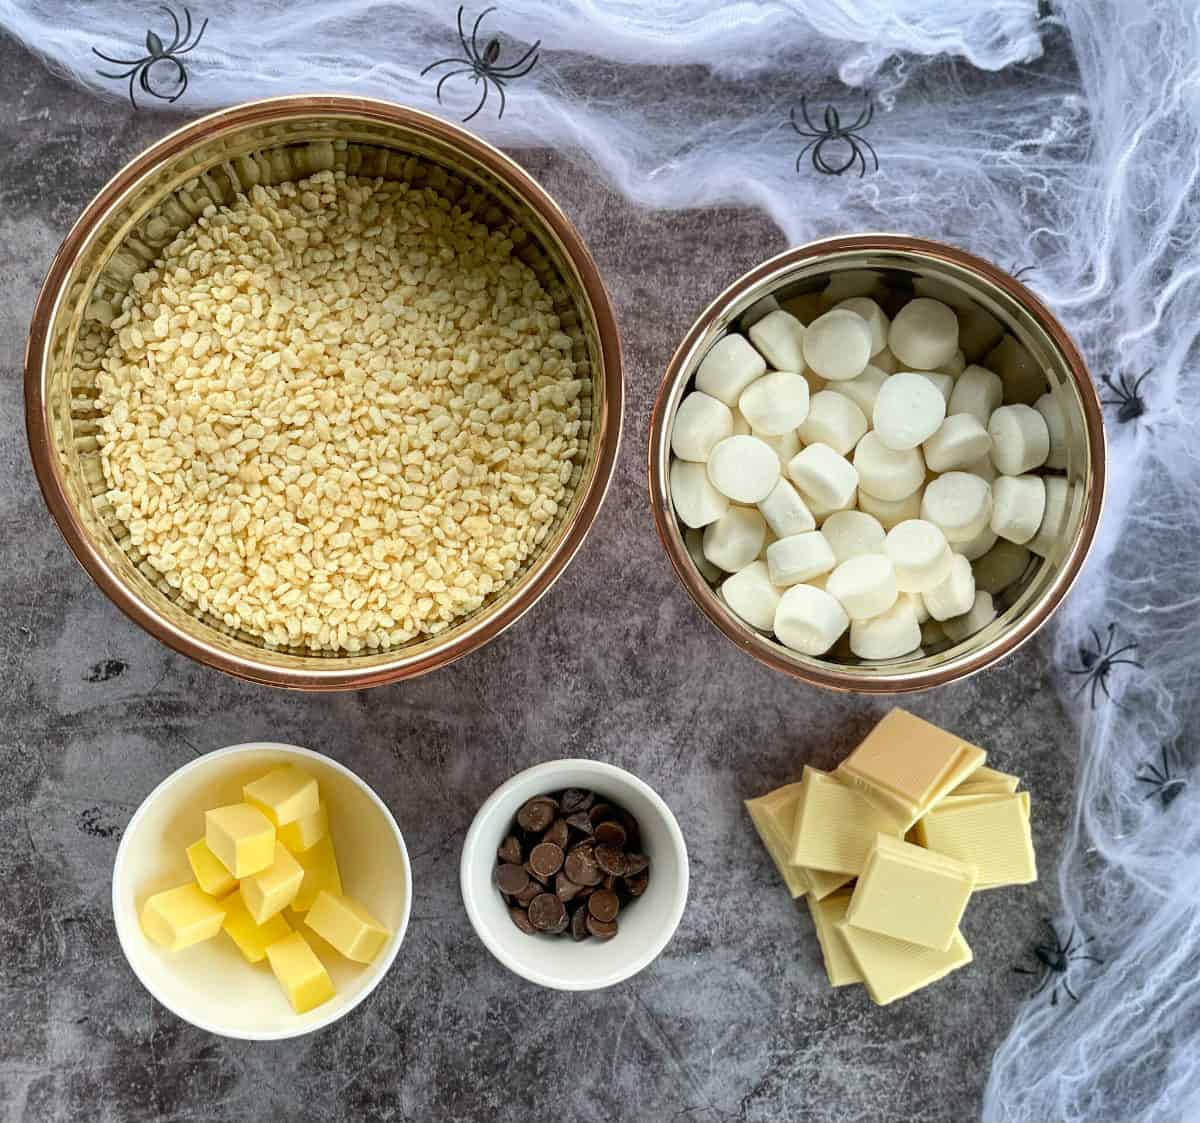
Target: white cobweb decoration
[{"x": 1082, "y": 162}]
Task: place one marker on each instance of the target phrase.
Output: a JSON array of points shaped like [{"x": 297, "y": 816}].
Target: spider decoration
[
  {"x": 1097, "y": 664},
  {"x": 156, "y": 51},
  {"x": 835, "y": 133},
  {"x": 1023, "y": 273},
  {"x": 1127, "y": 396},
  {"x": 1054, "y": 959},
  {"x": 482, "y": 65},
  {"x": 1159, "y": 776}
]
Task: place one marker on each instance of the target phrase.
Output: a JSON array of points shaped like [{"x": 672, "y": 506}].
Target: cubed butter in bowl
[{"x": 237, "y": 956}]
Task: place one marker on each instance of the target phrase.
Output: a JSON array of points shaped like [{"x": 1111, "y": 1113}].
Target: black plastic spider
[
  {"x": 1128, "y": 400},
  {"x": 1022, "y": 274},
  {"x": 1162, "y": 783},
  {"x": 481, "y": 65},
  {"x": 1054, "y": 959},
  {"x": 832, "y": 133},
  {"x": 1097, "y": 664},
  {"x": 157, "y": 52}
]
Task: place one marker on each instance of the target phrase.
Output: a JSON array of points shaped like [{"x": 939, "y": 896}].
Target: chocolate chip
[
  {"x": 580, "y": 865},
  {"x": 522, "y": 921},
  {"x": 510, "y": 850},
  {"x": 637, "y": 883},
  {"x": 633, "y": 834},
  {"x": 531, "y": 890},
  {"x": 635, "y": 863},
  {"x": 610, "y": 832},
  {"x": 611, "y": 860},
  {"x": 600, "y": 812},
  {"x": 537, "y": 814},
  {"x": 575, "y": 799},
  {"x": 604, "y": 905},
  {"x": 610, "y": 882},
  {"x": 580, "y": 822},
  {"x": 602, "y": 930},
  {"x": 566, "y": 889},
  {"x": 545, "y": 859},
  {"x": 579, "y": 919},
  {"x": 559, "y": 833},
  {"x": 511, "y": 879},
  {"x": 547, "y": 913}
]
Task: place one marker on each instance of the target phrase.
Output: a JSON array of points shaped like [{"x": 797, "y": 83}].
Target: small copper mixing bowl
[
  {"x": 963, "y": 279},
  {"x": 165, "y": 188}
]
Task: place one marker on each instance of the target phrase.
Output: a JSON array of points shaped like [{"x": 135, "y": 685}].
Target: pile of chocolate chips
[{"x": 571, "y": 862}]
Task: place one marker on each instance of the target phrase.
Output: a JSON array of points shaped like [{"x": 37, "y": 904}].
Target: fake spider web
[{"x": 1070, "y": 144}]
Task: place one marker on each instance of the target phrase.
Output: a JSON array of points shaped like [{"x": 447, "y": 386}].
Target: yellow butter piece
[
  {"x": 827, "y": 914},
  {"x": 301, "y": 974},
  {"x": 836, "y": 825},
  {"x": 985, "y": 780},
  {"x": 906, "y": 765},
  {"x": 252, "y": 938},
  {"x": 271, "y": 890},
  {"x": 209, "y": 871},
  {"x": 774, "y": 818},
  {"x": 893, "y": 968},
  {"x": 320, "y": 866},
  {"x": 347, "y": 926},
  {"x": 178, "y": 918},
  {"x": 284, "y": 794},
  {"x": 306, "y": 831},
  {"x": 241, "y": 836},
  {"x": 991, "y": 834},
  {"x": 911, "y": 894}
]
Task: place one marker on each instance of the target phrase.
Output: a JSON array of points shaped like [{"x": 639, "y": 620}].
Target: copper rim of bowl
[
  {"x": 832, "y": 676},
  {"x": 545, "y": 570}
]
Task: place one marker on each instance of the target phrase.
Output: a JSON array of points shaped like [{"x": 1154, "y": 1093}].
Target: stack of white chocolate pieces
[
  {"x": 851, "y": 472},
  {"x": 889, "y": 847}
]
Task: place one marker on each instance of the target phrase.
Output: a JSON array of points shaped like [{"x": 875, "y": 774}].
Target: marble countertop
[{"x": 734, "y": 1022}]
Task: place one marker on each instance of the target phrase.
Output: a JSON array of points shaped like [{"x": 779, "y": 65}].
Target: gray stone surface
[{"x": 734, "y": 1021}]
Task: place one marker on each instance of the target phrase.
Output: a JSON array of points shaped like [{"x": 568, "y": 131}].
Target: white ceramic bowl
[
  {"x": 210, "y": 984},
  {"x": 645, "y": 925}
]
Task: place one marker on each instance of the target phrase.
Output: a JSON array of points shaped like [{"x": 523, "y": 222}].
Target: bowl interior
[
  {"x": 997, "y": 308},
  {"x": 211, "y": 984},
  {"x": 209, "y": 162},
  {"x": 645, "y": 924}
]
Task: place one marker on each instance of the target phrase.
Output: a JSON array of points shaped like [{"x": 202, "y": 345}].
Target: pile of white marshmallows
[{"x": 918, "y": 469}]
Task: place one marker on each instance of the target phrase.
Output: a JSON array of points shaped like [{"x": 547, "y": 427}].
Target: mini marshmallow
[
  {"x": 977, "y": 546},
  {"x": 1024, "y": 381},
  {"x": 760, "y": 308},
  {"x": 886, "y": 473},
  {"x": 833, "y": 420},
  {"x": 958, "y": 504},
  {"x": 875, "y": 317},
  {"x": 954, "y": 595},
  {"x": 751, "y": 596},
  {"x": 823, "y": 474},
  {"x": 775, "y": 403},
  {"x": 977, "y": 391},
  {"x": 908, "y": 410},
  {"x": 919, "y": 554},
  {"x": 981, "y": 614},
  {"x": 1020, "y": 439},
  {"x": 955, "y": 366},
  {"x": 1054, "y": 519},
  {"x": 924, "y": 334},
  {"x": 942, "y": 383},
  {"x": 743, "y": 468},
  {"x": 978, "y": 332},
  {"x": 822, "y": 511},
  {"x": 779, "y": 337},
  {"x": 983, "y": 468},
  {"x": 693, "y": 539},
  {"x": 785, "y": 511},
  {"x": 1003, "y": 564},
  {"x": 799, "y": 557},
  {"x": 887, "y": 636},
  {"x": 735, "y": 539},
  {"x": 1018, "y": 504},
  {"x": 959, "y": 442},
  {"x": 786, "y": 445},
  {"x": 1056, "y": 425},
  {"x": 851, "y": 534},
  {"x": 918, "y": 606},
  {"x": 697, "y": 502},
  {"x": 886, "y": 361},
  {"x": 809, "y": 620},
  {"x": 851, "y": 282},
  {"x": 864, "y": 586},
  {"x": 729, "y": 367},
  {"x": 741, "y": 427},
  {"x": 889, "y": 512},
  {"x": 700, "y": 421},
  {"x": 838, "y": 345},
  {"x": 863, "y": 390}
]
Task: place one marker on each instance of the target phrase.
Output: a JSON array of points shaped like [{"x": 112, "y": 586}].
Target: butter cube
[
  {"x": 241, "y": 836},
  {"x": 986, "y": 780},
  {"x": 827, "y": 914},
  {"x": 347, "y": 926},
  {"x": 273, "y": 889},
  {"x": 893, "y": 968},
  {"x": 990, "y": 833},
  {"x": 906, "y": 765},
  {"x": 252, "y": 938},
  {"x": 301, "y": 974},
  {"x": 911, "y": 894},
  {"x": 284, "y": 794},
  {"x": 319, "y": 863},
  {"x": 180, "y": 917},
  {"x": 306, "y": 831},
  {"x": 774, "y": 818},
  {"x": 836, "y": 825},
  {"x": 209, "y": 871}
]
